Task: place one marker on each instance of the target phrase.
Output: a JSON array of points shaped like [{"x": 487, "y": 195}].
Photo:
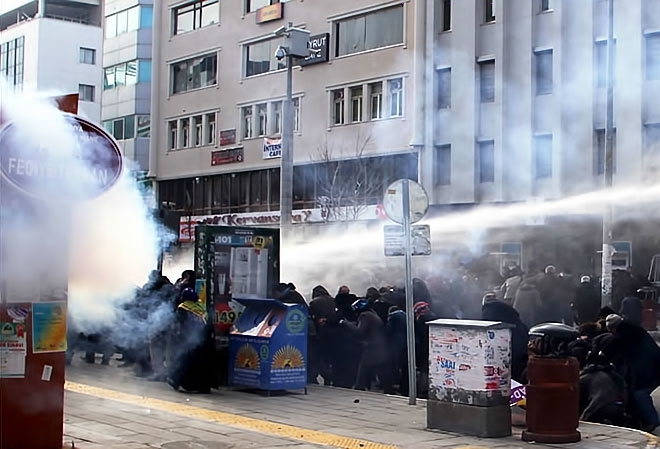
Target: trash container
[
  {"x": 470, "y": 377},
  {"x": 268, "y": 346},
  {"x": 553, "y": 398}
]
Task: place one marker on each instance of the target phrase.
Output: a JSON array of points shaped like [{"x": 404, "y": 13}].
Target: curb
[{"x": 652, "y": 441}]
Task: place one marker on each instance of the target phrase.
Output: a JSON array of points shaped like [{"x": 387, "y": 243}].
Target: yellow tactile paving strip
[{"x": 228, "y": 419}]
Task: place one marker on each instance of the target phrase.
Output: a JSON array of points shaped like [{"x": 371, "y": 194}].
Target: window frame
[
  {"x": 86, "y": 51},
  {"x": 89, "y": 88},
  {"x": 188, "y": 64},
  {"x": 197, "y": 9},
  {"x": 490, "y": 15},
  {"x": 543, "y": 80},
  {"x": 441, "y": 175},
  {"x": 443, "y": 94},
  {"x": 483, "y": 176},
  {"x": 483, "y": 91},
  {"x": 542, "y": 169},
  {"x": 446, "y": 16},
  {"x": 336, "y": 27}
]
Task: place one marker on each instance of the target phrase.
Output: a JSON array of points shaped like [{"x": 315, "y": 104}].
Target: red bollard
[{"x": 553, "y": 400}]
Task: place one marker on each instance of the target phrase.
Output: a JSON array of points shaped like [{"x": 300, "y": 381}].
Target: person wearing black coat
[
  {"x": 494, "y": 310},
  {"x": 370, "y": 330},
  {"x": 631, "y": 309},
  {"x": 637, "y": 357},
  {"x": 423, "y": 315},
  {"x": 396, "y": 327},
  {"x": 322, "y": 314},
  {"x": 586, "y": 302}
]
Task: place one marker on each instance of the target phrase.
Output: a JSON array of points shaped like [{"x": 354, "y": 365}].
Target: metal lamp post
[{"x": 295, "y": 46}]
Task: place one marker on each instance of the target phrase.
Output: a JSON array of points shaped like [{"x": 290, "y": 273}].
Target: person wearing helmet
[{"x": 374, "y": 361}]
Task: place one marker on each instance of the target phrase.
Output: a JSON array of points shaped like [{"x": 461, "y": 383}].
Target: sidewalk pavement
[{"x": 106, "y": 407}]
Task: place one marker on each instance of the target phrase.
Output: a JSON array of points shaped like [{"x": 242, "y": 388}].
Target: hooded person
[
  {"x": 396, "y": 327},
  {"x": 636, "y": 356},
  {"x": 631, "y": 309},
  {"x": 423, "y": 315},
  {"x": 287, "y": 294},
  {"x": 190, "y": 366},
  {"x": 495, "y": 310},
  {"x": 370, "y": 330},
  {"x": 528, "y": 302},
  {"x": 321, "y": 316}
]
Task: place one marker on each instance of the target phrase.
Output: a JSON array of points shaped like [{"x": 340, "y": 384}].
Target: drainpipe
[
  {"x": 429, "y": 102},
  {"x": 41, "y": 10},
  {"x": 419, "y": 26},
  {"x": 154, "y": 141}
]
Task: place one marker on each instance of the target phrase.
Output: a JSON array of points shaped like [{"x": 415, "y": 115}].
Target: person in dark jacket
[
  {"x": 322, "y": 314},
  {"x": 495, "y": 310},
  {"x": 423, "y": 315},
  {"x": 378, "y": 304},
  {"x": 631, "y": 309},
  {"x": 550, "y": 288},
  {"x": 636, "y": 356},
  {"x": 396, "y": 327},
  {"x": 586, "y": 302},
  {"x": 346, "y": 345},
  {"x": 287, "y": 294},
  {"x": 374, "y": 360},
  {"x": 189, "y": 368}
]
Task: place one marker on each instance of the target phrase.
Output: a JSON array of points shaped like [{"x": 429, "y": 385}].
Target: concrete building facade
[
  {"x": 482, "y": 101},
  {"x": 54, "y": 47}
]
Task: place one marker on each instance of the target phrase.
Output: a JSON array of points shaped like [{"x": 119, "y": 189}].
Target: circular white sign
[{"x": 393, "y": 201}]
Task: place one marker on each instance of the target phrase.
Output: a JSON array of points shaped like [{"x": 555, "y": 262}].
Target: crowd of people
[{"x": 360, "y": 341}]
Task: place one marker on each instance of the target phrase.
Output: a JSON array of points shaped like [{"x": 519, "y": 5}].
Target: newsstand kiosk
[{"x": 268, "y": 346}]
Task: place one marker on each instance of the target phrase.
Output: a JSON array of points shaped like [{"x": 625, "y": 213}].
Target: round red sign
[{"x": 46, "y": 170}]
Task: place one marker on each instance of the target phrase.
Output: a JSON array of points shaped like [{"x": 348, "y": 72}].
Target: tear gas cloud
[{"x": 112, "y": 240}]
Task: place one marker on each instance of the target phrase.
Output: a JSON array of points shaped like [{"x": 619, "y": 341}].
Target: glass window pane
[
  {"x": 144, "y": 72},
  {"x": 118, "y": 129},
  {"x": 122, "y": 22},
  {"x": 384, "y": 28},
  {"x": 253, "y": 5},
  {"x": 258, "y": 58},
  {"x": 131, "y": 73},
  {"x": 179, "y": 77},
  {"x": 129, "y": 127},
  {"x": 133, "y": 18},
  {"x": 120, "y": 75},
  {"x": 109, "y": 78},
  {"x": 143, "y": 126},
  {"x": 184, "y": 19},
  {"x": 210, "y": 13},
  {"x": 111, "y": 26},
  {"x": 351, "y": 36}
]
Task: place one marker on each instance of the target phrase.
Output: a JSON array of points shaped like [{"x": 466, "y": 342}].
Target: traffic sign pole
[{"x": 410, "y": 313}]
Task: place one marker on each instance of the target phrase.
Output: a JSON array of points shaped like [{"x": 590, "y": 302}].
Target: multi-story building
[
  {"x": 127, "y": 77},
  {"x": 53, "y": 46},
  {"x": 481, "y": 101}
]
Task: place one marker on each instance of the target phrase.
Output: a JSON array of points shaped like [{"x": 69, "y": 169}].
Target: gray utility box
[{"x": 470, "y": 377}]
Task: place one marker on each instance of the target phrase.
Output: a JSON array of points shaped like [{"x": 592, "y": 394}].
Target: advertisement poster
[
  {"x": 48, "y": 327},
  {"x": 13, "y": 350}
]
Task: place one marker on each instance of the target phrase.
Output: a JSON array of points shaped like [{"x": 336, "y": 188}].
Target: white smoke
[{"x": 109, "y": 243}]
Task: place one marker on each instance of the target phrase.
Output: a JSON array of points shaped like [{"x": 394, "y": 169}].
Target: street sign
[
  {"x": 393, "y": 201},
  {"x": 420, "y": 238}
]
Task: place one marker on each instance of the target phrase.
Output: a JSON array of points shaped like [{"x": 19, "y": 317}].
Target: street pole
[
  {"x": 410, "y": 313},
  {"x": 286, "y": 161},
  {"x": 606, "y": 283}
]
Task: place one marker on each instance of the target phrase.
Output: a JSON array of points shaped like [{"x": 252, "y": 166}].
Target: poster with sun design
[
  {"x": 247, "y": 358},
  {"x": 288, "y": 357}
]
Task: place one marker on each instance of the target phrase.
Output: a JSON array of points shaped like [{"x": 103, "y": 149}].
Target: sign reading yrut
[{"x": 66, "y": 174}]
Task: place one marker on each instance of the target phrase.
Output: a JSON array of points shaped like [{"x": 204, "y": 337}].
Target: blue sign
[{"x": 268, "y": 346}]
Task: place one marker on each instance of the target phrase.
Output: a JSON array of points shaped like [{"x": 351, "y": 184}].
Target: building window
[
  {"x": 338, "y": 107},
  {"x": 543, "y": 156},
  {"x": 442, "y": 165},
  {"x": 87, "y": 56},
  {"x": 486, "y": 161},
  {"x": 277, "y": 117},
  {"x": 246, "y": 120},
  {"x": 599, "y": 152},
  {"x": 487, "y": 81},
  {"x": 86, "y": 92},
  {"x": 444, "y": 88},
  {"x": 128, "y": 20},
  {"x": 262, "y": 116},
  {"x": 489, "y": 11},
  {"x": 545, "y": 5},
  {"x": 395, "y": 88},
  {"x": 127, "y": 74},
  {"x": 653, "y": 57},
  {"x": 356, "y": 104},
  {"x": 446, "y": 15},
  {"x": 253, "y": 5},
  {"x": 12, "y": 54},
  {"x": 376, "y": 103},
  {"x": 652, "y": 138},
  {"x": 260, "y": 58},
  {"x": 198, "y": 127},
  {"x": 143, "y": 126},
  {"x": 296, "y": 114},
  {"x": 543, "y": 72},
  {"x": 378, "y": 29},
  {"x": 195, "y": 15},
  {"x": 185, "y": 133},
  {"x": 173, "y": 128},
  {"x": 195, "y": 73},
  {"x": 121, "y": 128},
  {"x": 210, "y": 128}
]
